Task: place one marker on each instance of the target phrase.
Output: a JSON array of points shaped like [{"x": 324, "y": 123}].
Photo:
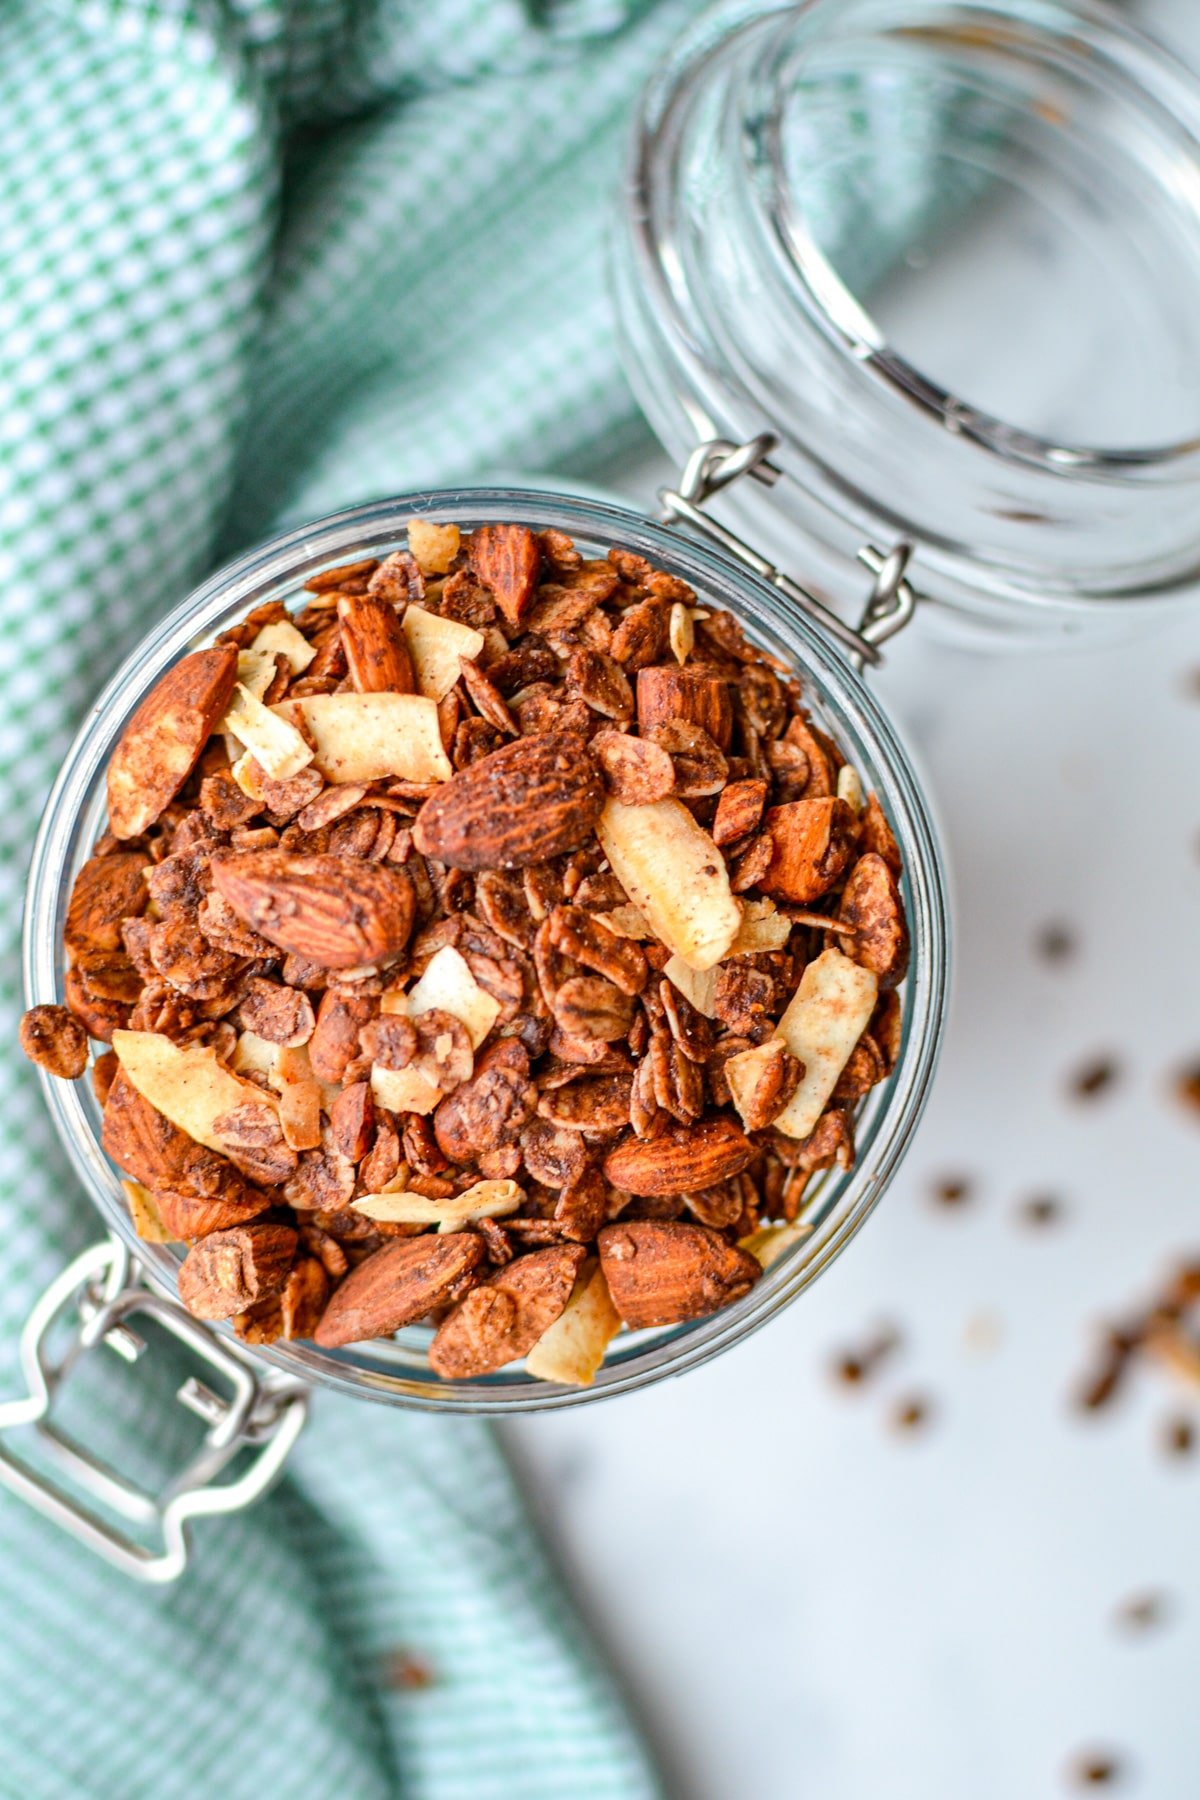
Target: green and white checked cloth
[{"x": 259, "y": 259}]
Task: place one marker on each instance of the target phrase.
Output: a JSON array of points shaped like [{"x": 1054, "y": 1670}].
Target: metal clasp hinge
[
  {"x": 711, "y": 467},
  {"x": 91, "y": 1305}
]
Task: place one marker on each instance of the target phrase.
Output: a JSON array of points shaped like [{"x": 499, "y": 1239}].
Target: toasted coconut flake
[
  {"x": 449, "y": 985},
  {"x": 268, "y": 734},
  {"x": 368, "y": 737},
  {"x": 763, "y": 927},
  {"x": 282, "y": 639},
  {"x": 675, "y": 875},
  {"x": 143, "y": 1210},
  {"x": 572, "y": 1349},
  {"x": 186, "y": 1083},
  {"x": 434, "y": 546},
  {"x": 399, "y": 1205},
  {"x": 404, "y": 1090},
  {"x": 827, "y": 1015},
  {"x": 436, "y": 645}
]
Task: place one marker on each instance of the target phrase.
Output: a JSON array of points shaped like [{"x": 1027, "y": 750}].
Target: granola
[{"x": 495, "y": 942}]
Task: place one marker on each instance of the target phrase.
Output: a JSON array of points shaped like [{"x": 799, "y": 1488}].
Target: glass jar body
[
  {"x": 397, "y": 1370},
  {"x": 949, "y": 252}
]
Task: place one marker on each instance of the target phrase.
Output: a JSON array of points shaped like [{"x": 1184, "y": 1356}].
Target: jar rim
[
  {"x": 1024, "y": 528},
  {"x": 75, "y": 809}
]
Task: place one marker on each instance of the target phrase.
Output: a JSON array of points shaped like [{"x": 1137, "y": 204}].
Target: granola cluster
[{"x": 495, "y": 940}]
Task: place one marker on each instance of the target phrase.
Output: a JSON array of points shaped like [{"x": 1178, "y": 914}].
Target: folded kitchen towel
[{"x": 258, "y": 259}]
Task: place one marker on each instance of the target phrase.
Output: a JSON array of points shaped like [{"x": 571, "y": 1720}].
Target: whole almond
[
  {"x": 661, "y": 1272},
  {"x": 522, "y": 804},
  {"x": 197, "y": 1190},
  {"x": 506, "y": 558},
  {"x": 335, "y": 911},
  {"x": 162, "y": 742},
  {"x": 812, "y": 843},
  {"x": 684, "y": 1160},
  {"x": 505, "y": 1316},
  {"x": 377, "y": 653},
  {"x": 398, "y": 1285},
  {"x": 229, "y": 1271},
  {"x": 668, "y": 693}
]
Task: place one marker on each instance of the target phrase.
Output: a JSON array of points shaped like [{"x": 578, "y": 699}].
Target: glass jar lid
[{"x": 948, "y": 252}]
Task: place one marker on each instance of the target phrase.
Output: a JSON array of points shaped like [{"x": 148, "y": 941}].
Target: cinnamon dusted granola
[{"x": 496, "y": 941}]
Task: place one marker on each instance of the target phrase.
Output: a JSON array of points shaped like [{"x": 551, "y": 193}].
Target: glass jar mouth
[
  {"x": 392, "y": 1370},
  {"x": 848, "y": 321},
  {"x": 826, "y": 206}
]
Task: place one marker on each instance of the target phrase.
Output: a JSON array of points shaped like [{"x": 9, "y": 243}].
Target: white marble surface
[{"x": 807, "y": 1604}]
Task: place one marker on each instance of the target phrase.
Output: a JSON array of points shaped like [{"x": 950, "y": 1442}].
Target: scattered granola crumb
[
  {"x": 1187, "y": 1087},
  {"x": 912, "y": 1414},
  {"x": 1042, "y": 1210},
  {"x": 1095, "y": 1770},
  {"x": 953, "y": 1191},
  {"x": 1179, "y": 1436},
  {"x": 1094, "y": 1078},
  {"x": 1143, "y": 1612},
  {"x": 406, "y": 1672},
  {"x": 1056, "y": 942},
  {"x": 983, "y": 1334},
  {"x": 853, "y": 1367}
]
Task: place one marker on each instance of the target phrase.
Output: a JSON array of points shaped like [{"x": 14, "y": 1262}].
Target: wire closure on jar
[{"x": 715, "y": 465}]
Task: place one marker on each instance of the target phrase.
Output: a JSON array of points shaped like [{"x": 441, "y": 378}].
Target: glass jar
[
  {"x": 396, "y": 1370},
  {"x": 948, "y": 251}
]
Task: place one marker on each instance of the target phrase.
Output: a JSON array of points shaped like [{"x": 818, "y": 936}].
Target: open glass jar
[
  {"x": 834, "y": 1207},
  {"x": 948, "y": 252},
  {"x": 820, "y": 195}
]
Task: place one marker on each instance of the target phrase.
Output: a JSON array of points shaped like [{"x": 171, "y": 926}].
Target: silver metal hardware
[
  {"x": 249, "y": 1414},
  {"x": 711, "y": 467}
]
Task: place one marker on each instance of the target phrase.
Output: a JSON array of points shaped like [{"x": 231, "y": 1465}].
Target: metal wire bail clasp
[
  {"x": 717, "y": 463},
  {"x": 90, "y": 1307}
]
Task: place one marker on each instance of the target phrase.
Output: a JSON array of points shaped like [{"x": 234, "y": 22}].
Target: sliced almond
[
  {"x": 186, "y": 1083},
  {"x": 300, "y": 1097},
  {"x": 572, "y": 1349},
  {"x": 283, "y": 639},
  {"x": 850, "y": 787},
  {"x": 435, "y": 645},
  {"x": 827, "y": 1015},
  {"x": 675, "y": 875},
  {"x": 399, "y": 1205},
  {"x": 449, "y": 985},
  {"x": 681, "y": 632},
  {"x": 162, "y": 742},
  {"x": 368, "y": 737},
  {"x": 268, "y": 734}
]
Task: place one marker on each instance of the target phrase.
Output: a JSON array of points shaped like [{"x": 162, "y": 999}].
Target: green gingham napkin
[{"x": 259, "y": 259}]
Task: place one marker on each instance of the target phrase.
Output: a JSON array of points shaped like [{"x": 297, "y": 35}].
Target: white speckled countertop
[{"x": 808, "y": 1604}]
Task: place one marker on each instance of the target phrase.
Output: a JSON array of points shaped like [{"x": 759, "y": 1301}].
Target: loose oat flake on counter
[{"x": 496, "y": 942}]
